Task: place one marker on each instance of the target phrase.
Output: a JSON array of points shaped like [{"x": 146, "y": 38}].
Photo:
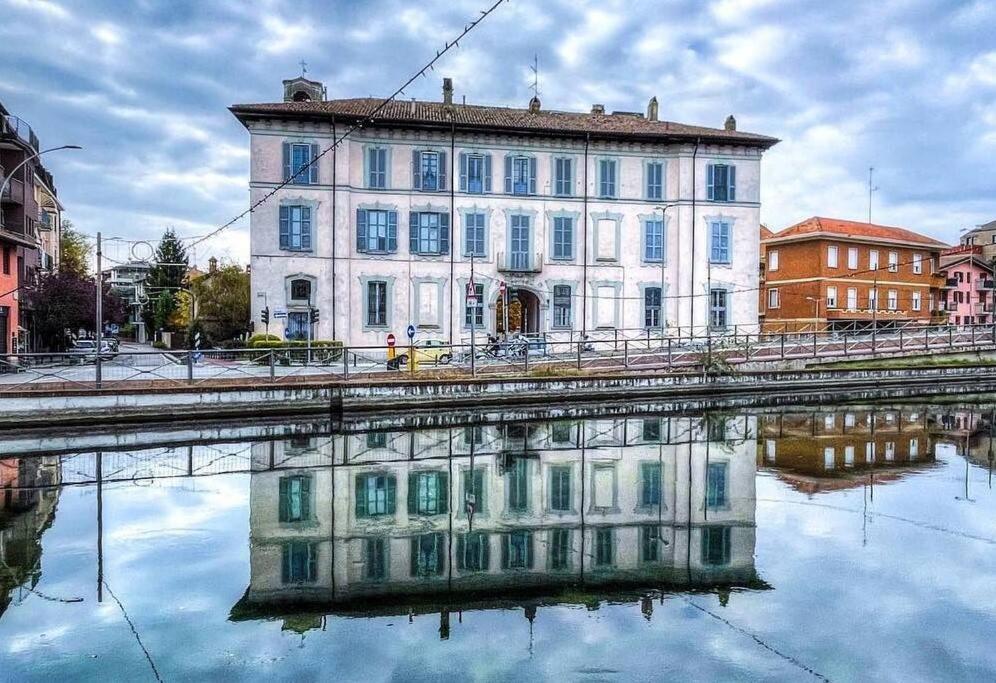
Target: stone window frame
[
  {"x": 464, "y": 211},
  {"x": 299, "y": 200},
  {"x": 533, "y": 228},
  {"x": 644, "y": 218},
  {"x": 646, "y": 177},
  {"x": 644, "y": 286},
  {"x": 596, "y": 303},
  {"x": 487, "y": 304},
  {"x": 596, "y": 217},
  {"x": 575, "y": 216},
  {"x": 388, "y": 162},
  {"x": 295, "y": 304},
  {"x": 365, "y": 280},
  {"x": 376, "y": 205},
  {"x": 575, "y": 286},
  {"x": 416, "y": 301},
  {"x": 597, "y": 194},
  {"x": 732, "y": 220},
  {"x": 574, "y": 159}
]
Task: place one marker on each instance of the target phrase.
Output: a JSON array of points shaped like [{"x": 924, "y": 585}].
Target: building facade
[
  {"x": 564, "y": 209},
  {"x": 969, "y": 289},
  {"x": 831, "y": 274},
  {"x": 984, "y": 237}
]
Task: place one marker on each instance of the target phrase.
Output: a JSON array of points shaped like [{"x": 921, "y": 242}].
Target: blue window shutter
[
  {"x": 508, "y": 174},
  {"x": 733, "y": 183},
  {"x": 463, "y": 172},
  {"x": 392, "y": 231},
  {"x": 442, "y": 171},
  {"x": 710, "y": 172},
  {"x": 413, "y": 232},
  {"x": 306, "y": 227},
  {"x": 532, "y": 175},
  {"x": 284, "y": 227},
  {"x": 444, "y": 233},
  {"x": 416, "y": 170},
  {"x": 314, "y": 164},
  {"x": 361, "y": 230},
  {"x": 487, "y": 173},
  {"x": 287, "y": 160},
  {"x": 368, "y": 167}
]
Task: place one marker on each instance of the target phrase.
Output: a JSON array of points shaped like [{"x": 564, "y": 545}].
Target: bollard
[
  {"x": 345, "y": 363},
  {"x": 190, "y": 367},
  {"x": 98, "y": 375},
  {"x": 527, "y": 359}
]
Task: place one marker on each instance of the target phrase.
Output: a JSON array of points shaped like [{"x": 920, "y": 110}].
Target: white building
[{"x": 564, "y": 207}]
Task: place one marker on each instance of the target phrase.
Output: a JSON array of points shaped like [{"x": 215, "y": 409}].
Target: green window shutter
[
  {"x": 508, "y": 174},
  {"x": 532, "y": 175},
  {"x": 444, "y": 233},
  {"x": 413, "y": 232},
  {"x": 487, "y": 173},
  {"x": 306, "y": 227},
  {"x": 361, "y": 499},
  {"x": 284, "y": 507},
  {"x": 284, "y": 227},
  {"x": 463, "y": 173},
  {"x": 391, "y": 494},
  {"x": 416, "y": 170},
  {"x": 732, "y": 173},
  {"x": 412, "y": 492},
  {"x": 443, "y": 481},
  {"x": 305, "y": 497},
  {"x": 710, "y": 187}
]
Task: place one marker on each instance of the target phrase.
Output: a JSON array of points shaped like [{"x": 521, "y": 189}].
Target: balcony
[
  {"x": 13, "y": 193},
  {"x": 984, "y": 285},
  {"x": 45, "y": 221},
  {"x": 982, "y": 308},
  {"x": 951, "y": 282},
  {"x": 519, "y": 262},
  {"x": 14, "y": 129}
]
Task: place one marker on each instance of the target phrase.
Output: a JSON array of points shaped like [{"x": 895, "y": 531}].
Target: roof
[
  {"x": 950, "y": 261},
  {"x": 479, "y": 117},
  {"x": 991, "y": 225},
  {"x": 766, "y": 232},
  {"x": 819, "y": 226}
]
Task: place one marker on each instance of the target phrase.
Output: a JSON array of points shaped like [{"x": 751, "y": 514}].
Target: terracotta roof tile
[
  {"x": 818, "y": 225},
  {"x": 467, "y": 116}
]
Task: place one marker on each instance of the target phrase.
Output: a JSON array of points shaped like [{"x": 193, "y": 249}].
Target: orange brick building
[{"x": 832, "y": 274}]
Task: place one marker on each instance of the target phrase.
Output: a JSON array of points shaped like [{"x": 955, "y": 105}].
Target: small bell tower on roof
[{"x": 303, "y": 89}]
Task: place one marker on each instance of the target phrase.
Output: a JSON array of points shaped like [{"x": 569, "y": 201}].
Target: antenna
[
  {"x": 535, "y": 69},
  {"x": 871, "y": 188}
]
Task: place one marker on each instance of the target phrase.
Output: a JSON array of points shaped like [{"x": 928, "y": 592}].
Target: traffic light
[
  {"x": 314, "y": 315},
  {"x": 264, "y": 315}
]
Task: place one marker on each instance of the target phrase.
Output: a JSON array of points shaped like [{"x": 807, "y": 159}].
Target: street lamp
[
  {"x": 13, "y": 172},
  {"x": 663, "y": 210}
]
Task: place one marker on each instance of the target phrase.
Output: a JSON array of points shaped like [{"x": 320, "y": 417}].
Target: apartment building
[
  {"x": 984, "y": 237},
  {"x": 30, "y": 227},
  {"x": 577, "y": 222},
  {"x": 832, "y": 274},
  {"x": 969, "y": 287},
  {"x": 400, "y": 517}
]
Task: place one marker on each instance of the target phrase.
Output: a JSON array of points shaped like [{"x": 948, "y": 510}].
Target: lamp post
[
  {"x": 663, "y": 210},
  {"x": 13, "y": 172}
]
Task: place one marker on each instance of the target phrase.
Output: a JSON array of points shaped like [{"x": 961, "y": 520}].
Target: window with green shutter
[
  {"x": 299, "y": 562},
  {"x": 517, "y": 481},
  {"x": 427, "y": 553},
  {"x": 517, "y": 550},
  {"x": 650, "y": 544},
  {"x": 295, "y": 499},
  {"x": 474, "y": 552},
  {"x": 560, "y": 549},
  {"x": 715, "y": 545},
  {"x": 650, "y": 484},
  {"x": 560, "y": 488},
  {"x": 428, "y": 493},
  {"x": 604, "y": 547},
  {"x": 375, "y": 559},
  {"x": 375, "y": 495}
]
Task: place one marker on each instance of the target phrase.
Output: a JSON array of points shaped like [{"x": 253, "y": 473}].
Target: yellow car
[{"x": 431, "y": 351}]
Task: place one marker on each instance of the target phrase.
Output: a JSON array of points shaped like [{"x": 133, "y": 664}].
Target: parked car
[
  {"x": 431, "y": 351},
  {"x": 86, "y": 350}
]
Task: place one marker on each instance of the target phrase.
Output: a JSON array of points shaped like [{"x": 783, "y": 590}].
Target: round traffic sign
[
  {"x": 411, "y": 331},
  {"x": 390, "y": 340}
]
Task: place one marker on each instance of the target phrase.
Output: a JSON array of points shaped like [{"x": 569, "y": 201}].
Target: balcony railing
[
  {"x": 12, "y": 127},
  {"x": 980, "y": 308},
  {"x": 951, "y": 282},
  {"x": 984, "y": 285},
  {"x": 520, "y": 262},
  {"x": 13, "y": 192}
]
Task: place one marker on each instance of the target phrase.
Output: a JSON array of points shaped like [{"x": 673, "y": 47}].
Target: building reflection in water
[{"x": 498, "y": 516}]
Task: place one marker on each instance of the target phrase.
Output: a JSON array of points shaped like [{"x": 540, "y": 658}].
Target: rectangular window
[
  {"x": 893, "y": 262},
  {"x": 375, "y": 559},
  {"x": 295, "y": 228},
  {"x": 517, "y": 483},
  {"x": 375, "y": 495},
  {"x": 650, "y": 483},
  {"x": 652, "y": 429},
  {"x": 653, "y": 241},
  {"x": 831, "y": 297},
  {"x": 848, "y": 456},
  {"x": 869, "y": 452},
  {"x": 517, "y": 550},
  {"x": 652, "y": 307},
  {"x": 852, "y": 258},
  {"x": 474, "y": 552},
  {"x": 520, "y": 175},
  {"x": 6, "y": 263},
  {"x": 655, "y": 180},
  {"x": 607, "y": 178},
  {"x": 604, "y": 547},
  {"x": 295, "y": 499},
  {"x": 720, "y": 242},
  {"x": 852, "y": 298},
  {"x": 300, "y": 562},
  {"x": 429, "y": 233},
  {"x": 716, "y": 545},
  {"x": 560, "y": 549},
  {"x": 773, "y": 260},
  {"x": 918, "y": 264},
  {"x": 560, "y": 489},
  {"x": 298, "y": 166},
  {"x": 474, "y": 235},
  {"x": 915, "y": 301},
  {"x": 563, "y": 238},
  {"x": 872, "y": 299},
  {"x": 650, "y": 543},
  {"x": 376, "y": 231},
  {"x": 873, "y": 259},
  {"x": 428, "y": 493},
  {"x": 562, "y": 432},
  {"x": 476, "y": 173},
  {"x": 772, "y": 298},
  {"x": 828, "y": 458},
  {"x": 562, "y": 306},
  {"x": 718, "y": 318},
  {"x": 376, "y": 304},
  {"x": 832, "y": 256},
  {"x": 716, "y": 482},
  {"x": 429, "y": 171},
  {"x": 427, "y": 554},
  {"x": 914, "y": 451},
  {"x": 893, "y": 299},
  {"x": 473, "y": 488},
  {"x": 721, "y": 183},
  {"x": 298, "y": 323},
  {"x": 377, "y": 168},
  {"x": 473, "y": 312},
  {"x": 563, "y": 177}
]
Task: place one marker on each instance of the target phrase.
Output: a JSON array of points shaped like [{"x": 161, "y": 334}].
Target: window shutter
[
  {"x": 416, "y": 170},
  {"x": 284, "y": 506},
  {"x": 284, "y": 227},
  {"x": 412, "y": 490},
  {"x": 361, "y": 230},
  {"x": 413, "y": 232},
  {"x": 306, "y": 227},
  {"x": 732, "y": 171},
  {"x": 463, "y": 171},
  {"x": 508, "y": 174},
  {"x": 442, "y": 171},
  {"x": 361, "y": 501},
  {"x": 532, "y": 175},
  {"x": 392, "y": 231},
  {"x": 487, "y": 173},
  {"x": 444, "y": 492},
  {"x": 710, "y": 172},
  {"x": 306, "y": 498},
  {"x": 392, "y": 486},
  {"x": 444, "y": 233},
  {"x": 287, "y": 161},
  {"x": 313, "y": 169},
  {"x": 368, "y": 167}
]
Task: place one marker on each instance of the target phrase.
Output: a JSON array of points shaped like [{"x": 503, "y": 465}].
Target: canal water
[{"x": 852, "y": 542}]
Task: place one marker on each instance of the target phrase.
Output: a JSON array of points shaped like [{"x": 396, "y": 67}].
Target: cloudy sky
[{"x": 906, "y": 86}]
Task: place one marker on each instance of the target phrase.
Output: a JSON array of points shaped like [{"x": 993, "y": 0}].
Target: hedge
[{"x": 322, "y": 351}]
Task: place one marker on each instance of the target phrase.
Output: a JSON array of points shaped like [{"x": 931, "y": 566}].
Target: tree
[
  {"x": 223, "y": 306},
  {"x": 74, "y": 251},
  {"x": 64, "y": 302},
  {"x": 167, "y": 275},
  {"x": 163, "y": 307}
]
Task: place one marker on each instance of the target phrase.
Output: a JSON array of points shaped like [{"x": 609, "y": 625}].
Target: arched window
[
  {"x": 302, "y": 96},
  {"x": 300, "y": 290}
]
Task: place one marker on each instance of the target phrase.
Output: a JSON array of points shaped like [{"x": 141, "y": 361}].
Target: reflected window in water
[
  {"x": 375, "y": 552},
  {"x": 295, "y": 499},
  {"x": 375, "y": 495},
  {"x": 914, "y": 451},
  {"x": 562, "y": 432},
  {"x": 848, "y": 456},
  {"x": 770, "y": 451},
  {"x": 890, "y": 450},
  {"x": 300, "y": 562},
  {"x": 717, "y": 483},
  {"x": 869, "y": 452},
  {"x": 428, "y": 493},
  {"x": 560, "y": 549},
  {"x": 474, "y": 552},
  {"x": 473, "y": 435},
  {"x": 828, "y": 458},
  {"x": 474, "y": 490},
  {"x": 652, "y": 430},
  {"x": 560, "y": 488},
  {"x": 376, "y": 439},
  {"x": 650, "y": 484},
  {"x": 518, "y": 485},
  {"x": 517, "y": 550},
  {"x": 715, "y": 545},
  {"x": 717, "y": 427},
  {"x": 604, "y": 488},
  {"x": 650, "y": 543},
  {"x": 428, "y": 551},
  {"x": 604, "y": 547}
]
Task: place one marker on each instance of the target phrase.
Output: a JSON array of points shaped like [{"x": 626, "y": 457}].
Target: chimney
[
  {"x": 597, "y": 109},
  {"x": 212, "y": 265},
  {"x": 447, "y": 91},
  {"x": 731, "y": 123},
  {"x": 652, "y": 109},
  {"x": 534, "y": 105}
]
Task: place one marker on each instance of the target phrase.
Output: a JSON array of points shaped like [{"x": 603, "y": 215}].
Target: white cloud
[{"x": 281, "y": 37}]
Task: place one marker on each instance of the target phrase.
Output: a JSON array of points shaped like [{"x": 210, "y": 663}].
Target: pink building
[{"x": 968, "y": 295}]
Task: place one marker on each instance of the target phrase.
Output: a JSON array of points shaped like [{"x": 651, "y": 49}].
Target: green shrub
[
  {"x": 161, "y": 345},
  {"x": 322, "y": 351},
  {"x": 261, "y": 337}
]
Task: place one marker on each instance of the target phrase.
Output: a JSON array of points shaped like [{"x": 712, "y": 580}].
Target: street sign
[
  {"x": 501, "y": 287},
  {"x": 113, "y": 327},
  {"x": 411, "y": 331},
  {"x": 279, "y": 313},
  {"x": 391, "y": 340}
]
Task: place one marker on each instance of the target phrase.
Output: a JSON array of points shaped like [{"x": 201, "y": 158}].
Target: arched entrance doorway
[{"x": 523, "y": 312}]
